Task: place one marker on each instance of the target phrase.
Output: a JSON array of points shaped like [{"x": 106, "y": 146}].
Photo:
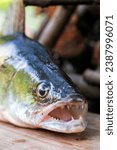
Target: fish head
[
  {"x": 63, "y": 107},
  {"x": 52, "y": 104},
  {"x": 40, "y": 94}
]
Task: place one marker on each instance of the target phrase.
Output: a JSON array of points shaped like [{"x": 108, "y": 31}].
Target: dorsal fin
[{"x": 15, "y": 18}]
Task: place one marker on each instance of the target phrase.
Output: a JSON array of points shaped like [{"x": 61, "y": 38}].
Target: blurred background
[{"x": 72, "y": 35}]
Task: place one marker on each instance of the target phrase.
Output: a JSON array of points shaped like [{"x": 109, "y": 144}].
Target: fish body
[{"x": 34, "y": 91}]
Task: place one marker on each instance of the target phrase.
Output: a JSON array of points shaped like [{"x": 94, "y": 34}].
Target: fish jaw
[{"x": 65, "y": 117}]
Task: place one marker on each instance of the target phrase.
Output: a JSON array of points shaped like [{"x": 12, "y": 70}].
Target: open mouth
[
  {"x": 66, "y": 112},
  {"x": 66, "y": 117}
]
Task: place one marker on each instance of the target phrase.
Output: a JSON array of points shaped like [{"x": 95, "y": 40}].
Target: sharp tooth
[
  {"x": 82, "y": 107},
  {"x": 53, "y": 117},
  {"x": 68, "y": 107}
]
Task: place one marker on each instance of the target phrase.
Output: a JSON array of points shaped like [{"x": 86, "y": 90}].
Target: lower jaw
[{"x": 73, "y": 126}]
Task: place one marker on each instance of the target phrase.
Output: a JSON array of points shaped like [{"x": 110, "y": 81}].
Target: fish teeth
[
  {"x": 54, "y": 118},
  {"x": 68, "y": 107},
  {"x": 82, "y": 107}
]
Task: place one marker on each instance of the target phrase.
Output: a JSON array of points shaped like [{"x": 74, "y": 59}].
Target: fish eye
[{"x": 43, "y": 89}]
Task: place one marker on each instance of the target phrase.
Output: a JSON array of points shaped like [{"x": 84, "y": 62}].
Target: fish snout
[{"x": 78, "y": 105}]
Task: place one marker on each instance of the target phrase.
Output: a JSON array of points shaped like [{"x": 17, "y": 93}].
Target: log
[
  {"x": 56, "y": 26},
  {"x": 92, "y": 77},
  {"x": 45, "y": 3},
  {"x": 90, "y": 91},
  {"x": 96, "y": 54},
  {"x": 41, "y": 29},
  {"x": 15, "y": 22}
]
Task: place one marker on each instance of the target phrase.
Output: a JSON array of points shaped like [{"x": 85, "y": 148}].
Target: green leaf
[{"x": 4, "y": 4}]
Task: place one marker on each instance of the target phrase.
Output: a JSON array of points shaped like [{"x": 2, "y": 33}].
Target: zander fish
[{"x": 34, "y": 91}]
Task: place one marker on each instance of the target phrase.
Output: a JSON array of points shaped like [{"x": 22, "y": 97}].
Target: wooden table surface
[{"x": 15, "y": 138}]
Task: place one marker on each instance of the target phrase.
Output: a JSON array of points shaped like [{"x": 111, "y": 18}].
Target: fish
[{"x": 34, "y": 91}]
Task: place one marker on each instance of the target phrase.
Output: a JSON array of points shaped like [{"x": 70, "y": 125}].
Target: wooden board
[{"x": 15, "y": 138}]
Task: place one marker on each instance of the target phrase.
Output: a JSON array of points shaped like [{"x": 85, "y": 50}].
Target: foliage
[{"x": 4, "y": 4}]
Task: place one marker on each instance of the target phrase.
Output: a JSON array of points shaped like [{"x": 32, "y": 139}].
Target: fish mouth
[{"x": 65, "y": 117}]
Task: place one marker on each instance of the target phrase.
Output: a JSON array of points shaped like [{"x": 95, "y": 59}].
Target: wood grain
[{"x": 15, "y": 138}]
